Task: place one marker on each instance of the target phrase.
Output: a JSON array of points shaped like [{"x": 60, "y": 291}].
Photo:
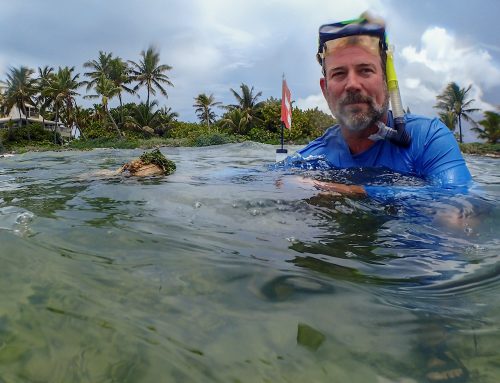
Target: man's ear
[{"x": 322, "y": 84}]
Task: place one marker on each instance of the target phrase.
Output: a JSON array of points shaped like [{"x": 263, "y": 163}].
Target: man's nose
[{"x": 352, "y": 81}]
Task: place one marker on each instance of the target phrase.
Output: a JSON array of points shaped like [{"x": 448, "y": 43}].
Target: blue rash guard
[{"x": 433, "y": 155}]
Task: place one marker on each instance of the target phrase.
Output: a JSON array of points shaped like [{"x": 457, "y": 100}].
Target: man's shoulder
[
  {"x": 333, "y": 130},
  {"x": 326, "y": 140},
  {"x": 418, "y": 121},
  {"x": 330, "y": 133},
  {"x": 425, "y": 126}
]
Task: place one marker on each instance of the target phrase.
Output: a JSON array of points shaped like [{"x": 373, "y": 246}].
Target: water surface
[{"x": 229, "y": 272}]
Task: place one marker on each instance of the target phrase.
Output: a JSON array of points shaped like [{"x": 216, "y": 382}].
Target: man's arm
[
  {"x": 349, "y": 190},
  {"x": 439, "y": 159}
]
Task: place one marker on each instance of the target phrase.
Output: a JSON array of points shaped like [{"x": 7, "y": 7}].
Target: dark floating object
[{"x": 309, "y": 337}]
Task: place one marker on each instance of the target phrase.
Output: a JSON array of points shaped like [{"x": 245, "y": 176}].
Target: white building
[{"x": 18, "y": 118}]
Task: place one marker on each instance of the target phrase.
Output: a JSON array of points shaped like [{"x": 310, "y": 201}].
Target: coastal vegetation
[
  {"x": 56, "y": 95},
  {"x": 455, "y": 105}
]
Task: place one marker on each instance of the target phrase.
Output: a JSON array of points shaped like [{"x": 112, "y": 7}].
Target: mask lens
[{"x": 369, "y": 43}]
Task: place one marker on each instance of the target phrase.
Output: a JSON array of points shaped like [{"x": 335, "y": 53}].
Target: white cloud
[
  {"x": 216, "y": 45},
  {"x": 412, "y": 83},
  {"x": 312, "y": 101},
  {"x": 211, "y": 45},
  {"x": 254, "y": 43},
  {"x": 442, "y": 58},
  {"x": 417, "y": 95}
]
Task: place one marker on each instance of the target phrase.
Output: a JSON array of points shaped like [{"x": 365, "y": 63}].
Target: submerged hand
[
  {"x": 328, "y": 188},
  {"x": 349, "y": 190}
]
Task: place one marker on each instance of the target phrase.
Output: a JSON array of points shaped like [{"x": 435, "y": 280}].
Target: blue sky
[{"x": 216, "y": 45}]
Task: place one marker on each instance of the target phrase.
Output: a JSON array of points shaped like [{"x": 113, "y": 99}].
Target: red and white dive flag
[{"x": 286, "y": 106}]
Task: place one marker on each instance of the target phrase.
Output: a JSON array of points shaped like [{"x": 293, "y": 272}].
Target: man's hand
[
  {"x": 328, "y": 188},
  {"x": 349, "y": 190}
]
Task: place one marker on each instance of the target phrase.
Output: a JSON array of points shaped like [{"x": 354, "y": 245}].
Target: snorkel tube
[{"x": 398, "y": 135}]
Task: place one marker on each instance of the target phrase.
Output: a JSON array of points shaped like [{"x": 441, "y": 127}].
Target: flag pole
[
  {"x": 282, "y": 152},
  {"x": 282, "y": 123},
  {"x": 282, "y": 130}
]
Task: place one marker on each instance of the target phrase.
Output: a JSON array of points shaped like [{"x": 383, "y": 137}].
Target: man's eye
[
  {"x": 367, "y": 71},
  {"x": 336, "y": 74}
]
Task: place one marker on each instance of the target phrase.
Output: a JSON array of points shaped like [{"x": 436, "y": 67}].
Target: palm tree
[
  {"x": 98, "y": 67},
  {"x": 204, "y": 105},
  {"x": 148, "y": 120},
  {"x": 115, "y": 69},
  {"x": 2, "y": 104},
  {"x": 3, "y": 110},
  {"x": 247, "y": 100},
  {"x": 491, "y": 125},
  {"x": 106, "y": 90},
  {"x": 44, "y": 73},
  {"x": 454, "y": 100},
  {"x": 144, "y": 118},
  {"x": 236, "y": 120},
  {"x": 119, "y": 73},
  {"x": 247, "y": 104},
  {"x": 43, "y": 79},
  {"x": 449, "y": 119},
  {"x": 167, "y": 117},
  {"x": 150, "y": 73},
  {"x": 21, "y": 88},
  {"x": 60, "y": 89},
  {"x": 168, "y": 114}
]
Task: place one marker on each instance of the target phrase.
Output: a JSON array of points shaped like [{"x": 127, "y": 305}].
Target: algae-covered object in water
[
  {"x": 150, "y": 164},
  {"x": 157, "y": 158}
]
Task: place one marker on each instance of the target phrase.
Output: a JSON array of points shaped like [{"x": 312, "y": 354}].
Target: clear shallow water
[{"x": 228, "y": 272}]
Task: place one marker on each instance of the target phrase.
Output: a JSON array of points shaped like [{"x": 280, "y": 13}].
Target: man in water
[{"x": 353, "y": 56}]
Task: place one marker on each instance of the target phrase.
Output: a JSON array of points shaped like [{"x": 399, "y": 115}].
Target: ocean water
[{"x": 227, "y": 271}]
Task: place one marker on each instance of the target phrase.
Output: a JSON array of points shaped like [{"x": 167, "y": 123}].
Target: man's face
[{"x": 354, "y": 87}]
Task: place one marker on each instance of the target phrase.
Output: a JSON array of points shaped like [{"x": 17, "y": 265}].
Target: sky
[{"x": 216, "y": 45}]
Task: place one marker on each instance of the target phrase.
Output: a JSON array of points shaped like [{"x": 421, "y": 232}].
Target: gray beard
[{"x": 357, "y": 121}]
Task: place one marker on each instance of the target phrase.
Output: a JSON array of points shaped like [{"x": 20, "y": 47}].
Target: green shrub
[
  {"x": 104, "y": 142},
  {"x": 189, "y": 130},
  {"x": 264, "y": 136},
  {"x": 32, "y": 134},
  {"x": 480, "y": 148},
  {"x": 154, "y": 142},
  {"x": 96, "y": 130},
  {"x": 214, "y": 139}
]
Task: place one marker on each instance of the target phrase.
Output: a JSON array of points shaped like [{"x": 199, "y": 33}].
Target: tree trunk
[
  {"x": 55, "y": 126},
  {"x": 77, "y": 122},
  {"x": 147, "y": 101},
  {"x": 25, "y": 121},
  {"x": 208, "y": 120},
  {"x": 121, "y": 108},
  {"x": 460, "y": 128},
  {"x": 108, "y": 113},
  {"x": 19, "y": 124}
]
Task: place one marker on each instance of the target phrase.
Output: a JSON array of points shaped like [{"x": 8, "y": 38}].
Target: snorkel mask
[{"x": 368, "y": 32}]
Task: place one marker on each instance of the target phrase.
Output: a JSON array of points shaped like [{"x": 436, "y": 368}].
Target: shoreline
[
  {"x": 472, "y": 149},
  {"x": 481, "y": 149}
]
